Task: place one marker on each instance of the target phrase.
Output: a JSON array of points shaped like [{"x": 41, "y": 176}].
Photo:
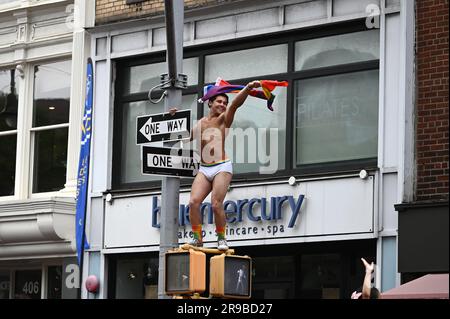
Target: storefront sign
[
  {"x": 270, "y": 209},
  {"x": 275, "y": 213}
]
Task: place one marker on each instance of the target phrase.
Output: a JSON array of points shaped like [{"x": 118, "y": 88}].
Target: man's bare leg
[
  {"x": 220, "y": 185},
  {"x": 200, "y": 189}
]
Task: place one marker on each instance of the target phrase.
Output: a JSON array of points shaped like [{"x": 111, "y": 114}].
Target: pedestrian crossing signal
[
  {"x": 230, "y": 276},
  {"x": 185, "y": 272}
]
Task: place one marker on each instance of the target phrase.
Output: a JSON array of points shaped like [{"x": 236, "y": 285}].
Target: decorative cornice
[
  {"x": 60, "y": 205},
  {"x": 37, "y": 250},
  {"x": 37, "y": 221}
]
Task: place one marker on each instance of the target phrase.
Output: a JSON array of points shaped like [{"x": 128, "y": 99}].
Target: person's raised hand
[
  {"x": 173, "y": 110},
  {"x": 369, "y": 267},
  {"x": 254, "y": 84}
]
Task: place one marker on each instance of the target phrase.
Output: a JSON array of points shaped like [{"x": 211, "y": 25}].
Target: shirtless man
[{"x": 216, "y": 169}]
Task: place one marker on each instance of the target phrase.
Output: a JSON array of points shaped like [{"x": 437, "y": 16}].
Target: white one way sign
[
  {"x": 163, "y": 127},
  {"x": 169, "y": 161}
]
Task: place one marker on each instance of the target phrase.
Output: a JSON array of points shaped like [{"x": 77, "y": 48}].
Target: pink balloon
[{"x": 92, "y": 283}]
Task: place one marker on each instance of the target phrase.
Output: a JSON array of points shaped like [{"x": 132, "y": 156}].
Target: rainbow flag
[{"x": 221, "y": 86}]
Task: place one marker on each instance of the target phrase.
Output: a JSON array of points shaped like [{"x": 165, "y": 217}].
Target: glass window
[
  {"x": 338, "y": 49},
  {"x": 131, "y": 152},
  {"x": 54, "y": 282},
  {"x": 8, "y": 100},
  {"x": 337, "y": 118},
  {"x": 4, "y": 285},
  {"x": 256, "y": 141},
  {"x": 50, "y": 125},
  {"x": 246, "y": 63},
  {"x": 141, "y": 78},
  {"x": 51, "y": 93},
  {"x": 136, "y": 278},
  {"x": 8, "y": 145},
  {"x": 50, "y": 159},
  {"x": 27, "y": 284},
  {"x": 320, "y": 276},
  {"x": 8, "y": 131}
]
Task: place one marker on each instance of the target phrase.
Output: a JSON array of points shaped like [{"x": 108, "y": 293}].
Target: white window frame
[{"x": 32, "y": 130}]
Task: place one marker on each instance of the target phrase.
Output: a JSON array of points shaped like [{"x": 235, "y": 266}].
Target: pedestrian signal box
[
  {"x": 230, "y": 276},
  {"x": 185, "y": 272}
]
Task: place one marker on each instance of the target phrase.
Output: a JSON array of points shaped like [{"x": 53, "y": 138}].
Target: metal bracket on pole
[{"x": 180, "y": 82}]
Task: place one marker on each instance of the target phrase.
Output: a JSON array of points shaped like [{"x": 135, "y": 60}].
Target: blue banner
[{"x": 83, "y": 166}]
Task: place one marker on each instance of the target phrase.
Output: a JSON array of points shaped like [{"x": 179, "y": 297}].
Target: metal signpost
[{"x": 174, "y": 11}]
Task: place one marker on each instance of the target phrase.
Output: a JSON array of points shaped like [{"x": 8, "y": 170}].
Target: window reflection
[
  {"x": 250, "y": 143},
  {"x": 337, "y": 118},
  {"x": 51, "y": 93},
  {"x": 50, "y": 158},
  {"x": 339, "y": 49},
  {"x": 8, "y": 100},
  {"x": 4, "y": 285},
  {"x": 136, "y": 278},
  {"x": 7, "y": 164},
  {"x": 54, "y": 282},
  {"x": 51, "y": 107}
]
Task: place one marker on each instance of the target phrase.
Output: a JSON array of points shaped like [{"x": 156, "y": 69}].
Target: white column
[
  {"x": 83, "y": 17},
  {"x": 406, "y": 128}
]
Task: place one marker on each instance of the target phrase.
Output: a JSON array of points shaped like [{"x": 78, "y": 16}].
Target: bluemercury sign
[
  {"x": 261, "y": 214},
  {"x": 269, "y": 209}
]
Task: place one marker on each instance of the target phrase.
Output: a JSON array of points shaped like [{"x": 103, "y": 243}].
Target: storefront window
[
  {"x": 256, "y": 141},
  {"x": 136, "y": 278},
  {"x": 50, "y": 125},
  {"x": 337, "y": 118},
  {"x": 27, "y": 284},
  {"x": 54, "y": 282},
  {"x": 320, "y": 276},
  {"x": 5, "y": 284},
  {"x": 327, "y": 114}
]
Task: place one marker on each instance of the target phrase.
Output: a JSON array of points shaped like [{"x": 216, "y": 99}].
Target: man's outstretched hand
[{"x": 254, "y": 84}]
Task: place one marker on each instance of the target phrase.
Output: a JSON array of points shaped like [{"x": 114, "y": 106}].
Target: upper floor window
[
  {"x": 8, "y": 131},
  {"x": 327, "y": 118},
  {"x": 50, "y": 125}
]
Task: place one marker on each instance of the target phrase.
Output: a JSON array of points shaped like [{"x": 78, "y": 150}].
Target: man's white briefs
[{"x": 211, "y": 170}]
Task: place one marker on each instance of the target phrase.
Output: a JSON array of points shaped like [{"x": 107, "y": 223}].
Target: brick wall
[
  {"x": 432, "y": 99},
  {"x": 107, "y": 11}
]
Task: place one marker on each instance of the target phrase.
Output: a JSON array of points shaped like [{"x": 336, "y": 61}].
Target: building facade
[
  {"x": 42, "y": 53},
  {"x": 352, "y": 162},
  {"x": 338, "y": 129},
  {"x": 423, "y": 218}
]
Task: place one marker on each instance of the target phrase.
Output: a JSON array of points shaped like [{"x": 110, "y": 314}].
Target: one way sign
[
  {"x": 163, "y": 127},
  {"x": 169, "y": 161}
]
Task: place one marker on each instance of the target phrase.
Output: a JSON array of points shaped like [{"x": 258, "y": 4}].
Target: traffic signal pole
[{"x": 174, "y": 12}]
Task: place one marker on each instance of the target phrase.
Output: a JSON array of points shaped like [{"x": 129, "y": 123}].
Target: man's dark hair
[{"x": 213, "y": 98}]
